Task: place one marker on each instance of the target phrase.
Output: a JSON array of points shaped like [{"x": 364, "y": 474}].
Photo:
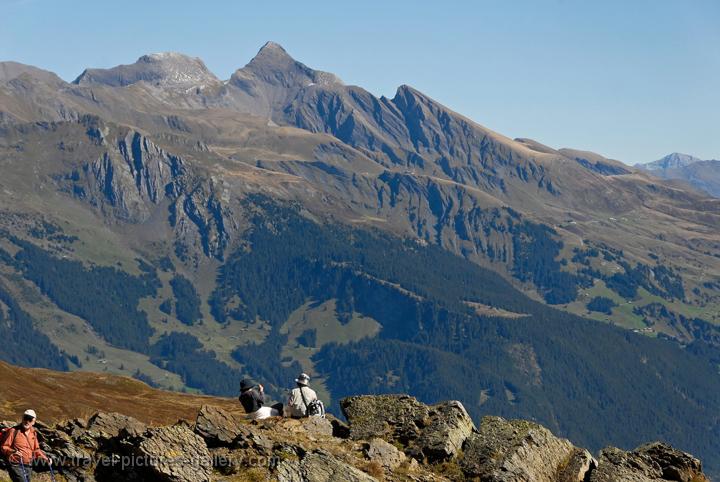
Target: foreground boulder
[
  {"x": 432, "y": 433},
  {"x": 176, "y": 454},
  {"x": 219, "y": 427},
  {"x": 449, "y": 426},
  {"x": 391, "y": 417},
  {"x": 517, "y": 450},
  {"x": 648, "y": 463},
  {"x": 105, "y": 428},
  {"x": 320, "y": 466},
  {"x": 385, "y": 454}
]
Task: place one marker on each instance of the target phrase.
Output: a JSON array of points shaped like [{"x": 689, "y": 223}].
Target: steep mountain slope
[
  {"x": 161, "y": 223},
  {"x": 702, "y": 175}
]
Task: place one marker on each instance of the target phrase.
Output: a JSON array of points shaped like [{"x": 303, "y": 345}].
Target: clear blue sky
[{"x": 633, "y": 80}]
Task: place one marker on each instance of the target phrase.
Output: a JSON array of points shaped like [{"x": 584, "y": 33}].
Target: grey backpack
[{"x": 313, "y": 409}]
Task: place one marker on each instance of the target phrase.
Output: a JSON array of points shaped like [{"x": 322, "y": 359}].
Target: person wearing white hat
[
  {"x": 301, "y": 397},
  {"x": 20, "y": 447}
]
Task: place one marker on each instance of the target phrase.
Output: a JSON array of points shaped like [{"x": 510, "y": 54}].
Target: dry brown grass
[
  {"x": 375, "y": 469},
  {"x": 58, "y": 396}
]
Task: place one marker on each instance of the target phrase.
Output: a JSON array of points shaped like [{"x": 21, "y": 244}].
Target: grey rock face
[
  {"x": 647, "y": 463},
  {"x": 177, "y": 454},
  {"x": 317, "y": 427},
  {"x": 320, "y": 466},
  {"x": 434, "y": 433},
  {"x": 130, "y": 177},
  {"x": 133, "y": 176},
  {"x": 578, "y": 467},
  {"x": 391, "y": 417},
  {"x": 675, "y": 465},
  {"x": 517, "y": 450},
  {"x": 104, "y": 427},
  {"x": 168, "y": 69},
  {"x": 384, "y": 453},
  {"x": 449, "y": 427},
  {"x": 67, "y": 453},
  {"x": 218, "y": 427}
]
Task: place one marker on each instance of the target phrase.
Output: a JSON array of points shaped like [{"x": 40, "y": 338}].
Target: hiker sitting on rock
[
  {"x": 20, "y": 448},
  {"x": 252, "y": 399},
  {"x": 303, "y": 401}
]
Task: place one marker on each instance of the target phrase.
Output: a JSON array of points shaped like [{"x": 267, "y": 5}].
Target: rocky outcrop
[
  {"x": 499, "y": 450},
  {"x": 218, "y": 427},
  {"x": 133, "y": 177},
  {"x": 320, "y": 466},
  {"x": 176, "y": 454},
  {"x": 389, "y": 437},
  {"x": 448, "y": 428},
  {"x": 384, "y": 453},
  {"x": 675, "y": 465},
  {"x": 129, "y": 177},
  {"x": 516, "y": 450},
  {"x": 433, "y": 433},
  {"x": 391, "y": 417},
  {"x": 647, "y": 463},
  {"x": 104, "y": 429}
]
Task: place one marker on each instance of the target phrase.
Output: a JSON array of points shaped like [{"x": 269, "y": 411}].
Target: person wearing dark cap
[
  {"x": 252, "y": 398},
  {"x": 303, "y": 399}
]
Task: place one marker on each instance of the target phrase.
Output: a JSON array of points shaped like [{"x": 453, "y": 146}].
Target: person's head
[
  {"x": 29, "y": 418},
  {"x": 245, "y": 385},
  {"x": 302, "y": 380}
]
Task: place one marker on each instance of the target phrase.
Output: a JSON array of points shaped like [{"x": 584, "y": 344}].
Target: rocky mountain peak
[
  {"x": 274, "y": 50},
  {"x": 675, "y": 160},
  {"x": 170, "y": 69},
  {"x": 275, "y": 66}
]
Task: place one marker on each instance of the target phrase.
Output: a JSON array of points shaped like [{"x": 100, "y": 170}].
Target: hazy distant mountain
[
  {"x": 704, "y": 175},
  {"x": 675, "y": 160},
  {"x": 13, "y": 70},
  {"x": 159, "y": 222}
]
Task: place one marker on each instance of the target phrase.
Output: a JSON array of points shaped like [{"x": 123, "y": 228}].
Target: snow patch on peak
[{"x": 675, "y": 160}]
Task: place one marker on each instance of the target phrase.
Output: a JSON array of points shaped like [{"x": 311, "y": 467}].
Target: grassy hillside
[{"x": 57, "y": 396}]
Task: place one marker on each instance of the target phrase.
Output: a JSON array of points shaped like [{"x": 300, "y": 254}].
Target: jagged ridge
[{"x": 392, "y": 437}]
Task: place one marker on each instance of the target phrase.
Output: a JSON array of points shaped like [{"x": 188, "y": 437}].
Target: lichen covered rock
[
  {"x": 384, "y": 454},
  {"x": 218, "y": 427},
  {"x": 320, "y": 466},
  {"x": 648, "y": 463},
  {"x": 517, "y": 450},
  {"x": 176, "y": 454},
  {"x": 433, "y": 433}
]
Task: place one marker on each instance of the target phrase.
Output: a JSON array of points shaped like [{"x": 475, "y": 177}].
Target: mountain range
[
  {"x": 157, "y": 221},
  {"x": 702, "y": 175}
]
